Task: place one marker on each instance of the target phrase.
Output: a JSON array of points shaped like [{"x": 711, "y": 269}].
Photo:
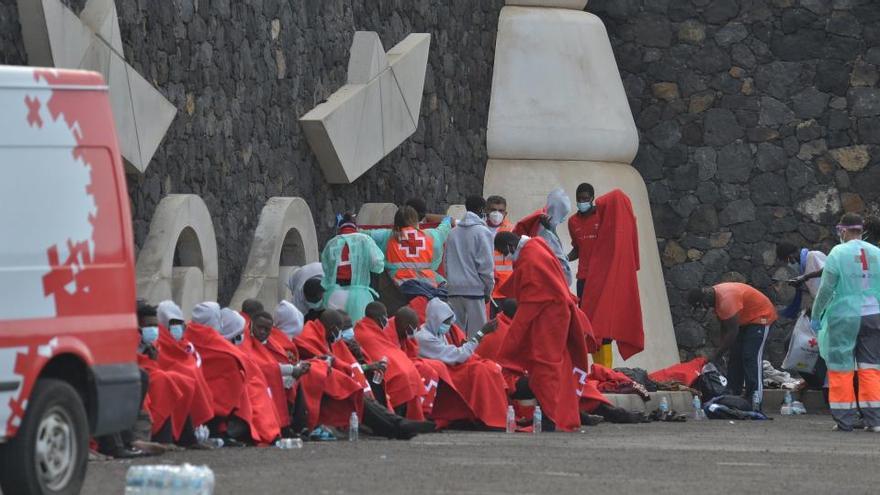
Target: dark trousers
[
  {"x": 746, "y": 363},
  {"x": 581, "y": 283}
]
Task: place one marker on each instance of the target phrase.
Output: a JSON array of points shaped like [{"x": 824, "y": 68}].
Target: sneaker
[
  {"x": 872, "y": 429},
  {"x": 322, "y": 434},
  {"x": 837, "y": 427}
]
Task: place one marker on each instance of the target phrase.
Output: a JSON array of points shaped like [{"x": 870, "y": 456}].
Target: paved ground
[{"x": 791, "y": 455}]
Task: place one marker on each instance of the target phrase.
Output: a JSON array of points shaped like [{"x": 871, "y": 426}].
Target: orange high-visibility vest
[
  {"x": 503, "y": 265},
  {"x": 409, "y": 255}
]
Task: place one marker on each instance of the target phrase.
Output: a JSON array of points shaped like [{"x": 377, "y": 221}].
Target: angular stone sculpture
[
  {"x": 284, "y": 240},
  {"x": 374, "y": 112},
  {"x": 559, "y": 116},
  {"x": 55, "y": 37},
  {"x": 181, "y": 230}
]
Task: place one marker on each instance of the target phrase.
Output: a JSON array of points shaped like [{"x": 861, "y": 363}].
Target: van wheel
[{"x": 48, "y": 454}]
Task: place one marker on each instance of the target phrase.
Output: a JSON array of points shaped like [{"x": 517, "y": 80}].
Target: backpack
[{"x": 711, "y": 383}]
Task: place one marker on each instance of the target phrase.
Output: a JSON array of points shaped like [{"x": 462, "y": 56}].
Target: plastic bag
[
  {"x": 803, "y": 350},
  {"x": 711, "y": 383}
]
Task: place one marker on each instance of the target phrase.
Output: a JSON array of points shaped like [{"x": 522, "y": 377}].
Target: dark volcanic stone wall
[
  {"x": 241, "y": 73},
  {"x": 759, "y": 121}
]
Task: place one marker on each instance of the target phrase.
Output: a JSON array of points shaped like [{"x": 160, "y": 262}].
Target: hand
[
  {"x": 544, "y": 219},
  {"x": 797, "y": 281},
  {"x": 377, "y": 366},
  {"x": 330, "y": 359},
  {"x": 288, "y": 382},
  {"x": 490, "y": 327},
  {"x": 152, "y": 352},
  {"x": 301, "y": 368}
]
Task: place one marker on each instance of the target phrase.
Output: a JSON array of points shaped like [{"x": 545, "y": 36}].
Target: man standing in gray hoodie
[{"x": 470, "y": 267}]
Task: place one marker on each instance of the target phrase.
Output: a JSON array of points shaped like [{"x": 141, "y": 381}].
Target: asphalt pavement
[{"x": 790, "y": 455}]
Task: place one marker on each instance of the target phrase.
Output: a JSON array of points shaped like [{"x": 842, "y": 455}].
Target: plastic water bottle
[
  {"x": 214, "y": 443},
  {"x": 537, "y": 417},
  {"x": 699, "y": 414},
  {"x": 353, "y": 427},
  {"x": 797, "y": 407},
  {"x": 786, "y": 409},
  {"x": 511, "y": 420},
  {"x": 379, "y": 375},
  {"x": 756, "y": 401},
  {"x": 664, "y": 406},
  {"x": 289, "y": 443},
  {"x": 201, "y": 433},
  {"x": 168, "y": 480}
]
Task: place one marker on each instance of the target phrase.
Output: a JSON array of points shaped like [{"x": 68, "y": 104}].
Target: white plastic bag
[{"x": 803, "y": 351}]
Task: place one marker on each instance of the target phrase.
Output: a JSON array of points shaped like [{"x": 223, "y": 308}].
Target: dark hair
[
  {"x": 494, "y": 200},
  {"x": 475, "y": 204},
  {"x": 347, "y": 217},
  {"x": 505, "y": 238},
  {"x": 313, "y": 289},
  {"x": 695, "y": 296},
  {"x": 585, "y": 187},
  {"x": 262, "y": 314},
  {"x": 406, "y": 216},
  {"x": 251, "y": 307},
  {"x": 853, "y": 219},
  {"x": 145, "y": 310},
  {"x": 375, "y": 310},
  {"x": 419, "y": 205},
  {"x": 785, "y": 249}
]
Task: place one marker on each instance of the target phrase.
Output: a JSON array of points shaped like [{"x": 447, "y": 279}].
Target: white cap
[
  {"x": 231, "y": 324},
  {"x": 168, "y": 310},
  {"x": 208, "y": 314},
  {"x": 289, "y": 319}
]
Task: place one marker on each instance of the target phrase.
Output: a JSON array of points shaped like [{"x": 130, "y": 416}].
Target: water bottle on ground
[
  {"x": 756, "y": 401},
  {"x": 353, "y": 427},
  {"x": 664, "y": 407},
  {"x": 699, "y": 414},
  {"x": 166, "y": 479},
  {"x": 797, "y": 407},
  {"x": 536, "y": 420},
  {"x": 511, "y": 420},
  {"x": 289, "y": 443},
  {"x": 214, "y": 442},
  {"x": 786, "y": 410}
]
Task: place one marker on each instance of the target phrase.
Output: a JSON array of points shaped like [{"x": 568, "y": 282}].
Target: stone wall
[
  {"x": 241, "y": 73},
  {"x": 759, "y": 121}
]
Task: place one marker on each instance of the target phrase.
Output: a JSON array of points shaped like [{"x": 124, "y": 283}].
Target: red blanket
[
  {"x": 549, "y": 336},
  {"x": 169, "y": 395},
  {"x": 182, "y": 357},
  {"x": 403, "y": 383},
  {"x": 343, "y": 384},
  {"x": 611, "y": 297},
  {"x": 529, "y": 224},
  {"x": 238, "y": 387},
  {"x": 684, "y": 373}
]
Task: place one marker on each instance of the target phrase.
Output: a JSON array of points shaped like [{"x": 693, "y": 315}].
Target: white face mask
[{"x": 495, "y": 218}]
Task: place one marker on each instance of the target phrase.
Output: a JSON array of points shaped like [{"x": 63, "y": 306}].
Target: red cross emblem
[
  {"x": 863, "y": 259},
  {"x": 414, "y": 244},
  {"x": 812, "y": 343},
  {"x": 33, "y": 116}
]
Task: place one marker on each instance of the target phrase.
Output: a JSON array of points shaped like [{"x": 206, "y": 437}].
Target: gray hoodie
[{"x": 470, "y": 258}]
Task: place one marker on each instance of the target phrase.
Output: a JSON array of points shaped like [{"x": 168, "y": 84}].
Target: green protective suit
[
  {"x": 852, "y": 271},
  {"x": 438, "y": 234},
  {"x": 365, "y": 257}
]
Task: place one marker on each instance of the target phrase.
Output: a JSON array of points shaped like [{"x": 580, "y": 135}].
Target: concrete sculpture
[
  {"x": 284, "y": 240},
  {"x": 178, "y": 259},
  {"x": 374, "y": 112},
  {"x": 54, "y": 36},
  {"x": 558, "y": 115}
]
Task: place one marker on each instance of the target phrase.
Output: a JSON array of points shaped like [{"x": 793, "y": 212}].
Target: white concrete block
[
  {"x": 285, "y": 237},
  {"x": 456, "y": 211},
  {"x": 181, "y": 224},
  {"x": 526, "y": 183},
  {"x": 562, "y": 4},
  {"x": 556, "y": 90},
  {"x": 376, "y": 214},
  {"x": 369, "y": 117},
  {"x": 153, "y": 116}
]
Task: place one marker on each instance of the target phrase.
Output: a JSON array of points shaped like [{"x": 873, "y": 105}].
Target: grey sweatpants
[{"x": 470, "y": 313}]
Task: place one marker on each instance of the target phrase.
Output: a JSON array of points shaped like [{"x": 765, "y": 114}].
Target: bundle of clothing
[{"x": 774, "y": 378}]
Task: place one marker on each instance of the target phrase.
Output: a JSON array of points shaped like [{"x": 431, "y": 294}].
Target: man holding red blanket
[
  {"x": 549, "y": 335},
  {"x": 605, "y": 240}
]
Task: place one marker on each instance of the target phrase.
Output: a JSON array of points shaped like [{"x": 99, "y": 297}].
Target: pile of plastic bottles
[{"x": 169, "y": 480}]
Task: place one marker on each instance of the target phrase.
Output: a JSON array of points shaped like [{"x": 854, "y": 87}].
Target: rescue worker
[
  {"x": 347, "y": 260},
  {"x": 847, "y": 312},
  {"x": 497, "y": 221},
  {"x": 409, "y": 252}
]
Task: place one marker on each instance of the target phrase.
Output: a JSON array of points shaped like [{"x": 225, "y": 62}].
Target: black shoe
[
  {"x": 591, "y": 419},
  {"x": 231, "y": 442},
  {"x": 417, "y": 426}
]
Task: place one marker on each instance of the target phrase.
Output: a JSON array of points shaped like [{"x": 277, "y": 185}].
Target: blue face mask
[
  {"x": 176, "y": 331},
  {"x": 444, "y": 328},
  {"x": 149, "y": 334},
  {"x": 313, "y": 305},
  {"x": 585, "y": 206},
  {"x": 347, "y": 334}
]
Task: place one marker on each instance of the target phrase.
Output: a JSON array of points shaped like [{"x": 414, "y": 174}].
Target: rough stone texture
[
  {"x": 241, "y": 73},
  {"x": 778, "y": 116}
]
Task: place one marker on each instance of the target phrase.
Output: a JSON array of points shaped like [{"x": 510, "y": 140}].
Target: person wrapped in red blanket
[
  {"x": 549, "y": 336},
  {"x": 478, "y": 380},
  {"x": 402, "y": 382},
  {"x": 322, "y": 338},
  {"x": 177, "y": 354}
]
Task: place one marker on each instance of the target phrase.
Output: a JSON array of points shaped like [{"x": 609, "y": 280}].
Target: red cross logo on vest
[
  {"x": 414, "y": 244},
  {"x": 863, "y": 259}
]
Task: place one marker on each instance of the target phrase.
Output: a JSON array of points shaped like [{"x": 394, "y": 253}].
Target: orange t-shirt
[{"x": 753, "y": 306}]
